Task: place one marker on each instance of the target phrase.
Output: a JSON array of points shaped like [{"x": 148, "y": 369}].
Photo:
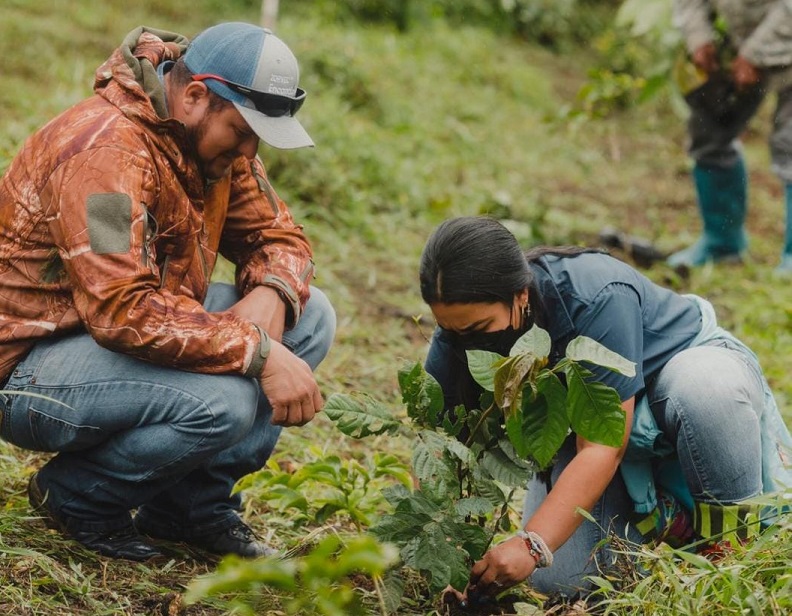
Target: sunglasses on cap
[{"x": 272, "y": 105}]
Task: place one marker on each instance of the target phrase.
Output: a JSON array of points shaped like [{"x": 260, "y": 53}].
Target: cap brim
[{"x": 284, "y": 133}]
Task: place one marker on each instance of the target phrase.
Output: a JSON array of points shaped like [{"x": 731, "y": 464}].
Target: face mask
[{"x": 500, "y": 341}]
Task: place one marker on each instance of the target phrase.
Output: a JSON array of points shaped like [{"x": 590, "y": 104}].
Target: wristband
[
  {"x": 260, "y": 356},
  {"x": 537, "y": 548}
]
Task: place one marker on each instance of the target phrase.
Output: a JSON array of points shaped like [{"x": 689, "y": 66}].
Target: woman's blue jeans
[
  {"x": 707, "y": 402},
  {"x": 131, "y": 434}
]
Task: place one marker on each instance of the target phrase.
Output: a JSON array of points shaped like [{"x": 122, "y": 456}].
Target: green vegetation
[
  {"x": 468, "y": 464},
  {"x": 414, "y": 121}
]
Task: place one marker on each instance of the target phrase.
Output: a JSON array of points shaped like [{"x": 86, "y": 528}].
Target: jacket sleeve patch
[{"x": 110, "y": 223}]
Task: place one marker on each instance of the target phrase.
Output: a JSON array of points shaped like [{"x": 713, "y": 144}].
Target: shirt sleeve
[
  {"x": 770, "y": 44},
  {"x": 692, "y": 17},
  {"x": 261, "y": 238},
  {"x": 100, "y": 231},
  {"x": 614, "y": 319}
]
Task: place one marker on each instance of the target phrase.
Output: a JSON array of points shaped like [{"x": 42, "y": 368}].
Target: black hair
[
  {"x": 474, "y": 259},
  {"x": 181, "y": 77}
]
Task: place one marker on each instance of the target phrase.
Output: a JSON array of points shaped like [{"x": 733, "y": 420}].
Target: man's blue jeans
[
  {"x": 131, "y": 434},
  {"x": 707, "y": 401}
]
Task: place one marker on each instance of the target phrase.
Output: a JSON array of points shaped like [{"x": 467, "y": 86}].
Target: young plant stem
[{"x": 481, "y": 420}]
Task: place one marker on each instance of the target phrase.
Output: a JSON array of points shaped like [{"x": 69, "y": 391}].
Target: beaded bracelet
[{"x": 537, "y": 548}]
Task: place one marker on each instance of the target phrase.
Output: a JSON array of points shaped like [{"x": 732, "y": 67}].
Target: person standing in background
[{"x": 753, "y": 58}]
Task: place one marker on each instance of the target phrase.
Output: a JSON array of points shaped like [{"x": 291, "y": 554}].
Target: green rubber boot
[
  {"x": 722, "y": 198},
  {"x": 785, "y": 269}
]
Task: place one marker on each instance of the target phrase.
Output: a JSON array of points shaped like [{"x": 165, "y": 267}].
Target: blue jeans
[
  {"x": 131, "y": 434},
  {"x": 707, "y": 401}
]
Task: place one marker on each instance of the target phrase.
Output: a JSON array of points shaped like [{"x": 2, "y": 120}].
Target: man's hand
[
  {"x": 744, "y": 73},
  {"x": 290, "y": 387},
  {"x": 705, "y": 57},
  {"x": 264, "y": 307},
  {"x": 505, "y": 565}
]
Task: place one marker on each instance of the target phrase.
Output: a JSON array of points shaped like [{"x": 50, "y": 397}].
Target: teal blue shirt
[{"x": 595, "y": 295}]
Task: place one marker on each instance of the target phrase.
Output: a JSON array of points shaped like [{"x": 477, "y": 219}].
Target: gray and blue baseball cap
[{"x": 255, "y": 70}]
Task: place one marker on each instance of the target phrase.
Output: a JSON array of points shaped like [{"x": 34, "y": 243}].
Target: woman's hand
[{"x": 502, "y": 567}]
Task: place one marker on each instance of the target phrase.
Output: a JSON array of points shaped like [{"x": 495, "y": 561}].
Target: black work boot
[
  {"x": 237, "y": 539},
  {"x": 122, "y": 543}
]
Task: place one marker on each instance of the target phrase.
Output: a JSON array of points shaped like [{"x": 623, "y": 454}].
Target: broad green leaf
[
  {"x": 541, "y": 426},
  {"x": 584, "y": 348},
  {"x": 475, "y": 505},
  {"x": 482, "y": 366},
  {"x": 284, "y": 497},
  {"x": 486, "y": 487},
  {"x": 364, "y": 554},
  {"x": 594, "y": 409},
  {"x": 505, "y": 470},
  {"x": 236, "y": 574},
  {"x": 388, "y": 465},
  {"x": 509, "y": 380},
  {"x": 535, "y": 341},
  {"x": 460, "y": 451},
  {"x": 396, "y": 493},
  {"x": 361, "y": 416},
  {"x": 328, "y": 510},
  {"x": 421, "y": 394},
  {"x": 399, "y": 527},
  {"x": 471, "y": 538},
  {"x": 431, "y": 464},
  {"x": 454, "y": 420},
  {"x": 434, "y": 555},
  {"x": 393, "y": 590}
]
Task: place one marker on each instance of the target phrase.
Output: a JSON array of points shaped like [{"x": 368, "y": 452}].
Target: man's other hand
[{"x": 290, "y": 388}]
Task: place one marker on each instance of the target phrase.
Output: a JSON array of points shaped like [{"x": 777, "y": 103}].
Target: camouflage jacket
[
  {"x": 761, "y": 30},
  {"x": 107, "y": 225}
]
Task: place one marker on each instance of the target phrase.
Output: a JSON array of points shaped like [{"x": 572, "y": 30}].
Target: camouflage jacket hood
[{"x": 108, "y": 226}]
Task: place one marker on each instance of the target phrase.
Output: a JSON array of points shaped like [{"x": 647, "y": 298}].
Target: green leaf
[
  {"x": 364, "y": 554},
  {"x": 432, "y": 554},
  {"x": 535, "y": 341},
  {"x": 360, "y": 416},
  {"x": 421, "y": 394},
  {"x": 454, "y": 420},
  {"x": 399, "y": 527},
  {"x": 538, "y": 430},
  {"x": 472, "y": 506},
  {"x": 697, "y": 560},
  {"x": 584, "y": 348},
  {"x": 471, "y": 538},
  {"x": 509, "y": 380},
  {"x": 431, "y": 465},
  {"x": 236, "y": 574},
  {"x": 393, "y": 590},
  {"x": 501, "y": 468},
  {"x": 388, "y": 465},
  {"x": 482, "y": 366},
  {"x": 594, "y": 409},
  {"x": 284, "y": 497},
  {"x": 487, "y": 488}
]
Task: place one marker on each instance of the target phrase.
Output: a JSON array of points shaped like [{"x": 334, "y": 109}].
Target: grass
[{"x": 411, "y": 128}]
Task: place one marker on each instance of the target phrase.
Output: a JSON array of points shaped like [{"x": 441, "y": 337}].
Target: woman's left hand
[{"x": 503, "y": 566}]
